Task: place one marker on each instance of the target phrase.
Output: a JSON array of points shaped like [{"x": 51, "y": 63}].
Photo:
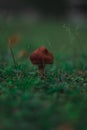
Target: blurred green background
[{"x": 57, "y": 102}]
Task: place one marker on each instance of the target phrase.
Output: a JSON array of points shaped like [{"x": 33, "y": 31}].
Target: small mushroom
[
  {"x": 41, "y": 57},
  {"x": 23, "y": 54},
  {"x": 13, "y": 40}
]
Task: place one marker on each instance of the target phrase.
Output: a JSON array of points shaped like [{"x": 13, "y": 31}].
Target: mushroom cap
[
  {"x": 41, "y": 56},
  {"x": 13, "y": 40},
  {"x": 23, "y": 54}
]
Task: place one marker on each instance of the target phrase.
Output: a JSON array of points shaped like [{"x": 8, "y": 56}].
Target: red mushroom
[{"x": 41, "y": 57}]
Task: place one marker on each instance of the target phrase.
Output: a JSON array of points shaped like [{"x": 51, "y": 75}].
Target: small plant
[{"x": 13, "y": 40}]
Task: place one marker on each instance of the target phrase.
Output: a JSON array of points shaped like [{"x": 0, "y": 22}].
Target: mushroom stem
[{"x": 41, "y": 68}]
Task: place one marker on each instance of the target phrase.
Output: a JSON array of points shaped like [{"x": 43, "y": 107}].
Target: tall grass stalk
[{"x": 13, "y": 57}]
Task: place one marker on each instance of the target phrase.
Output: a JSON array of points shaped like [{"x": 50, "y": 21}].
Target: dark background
[{"x": 46, "y": 7}]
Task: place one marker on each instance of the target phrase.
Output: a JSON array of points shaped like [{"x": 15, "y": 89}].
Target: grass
[{"x": 29, "y": 102}]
